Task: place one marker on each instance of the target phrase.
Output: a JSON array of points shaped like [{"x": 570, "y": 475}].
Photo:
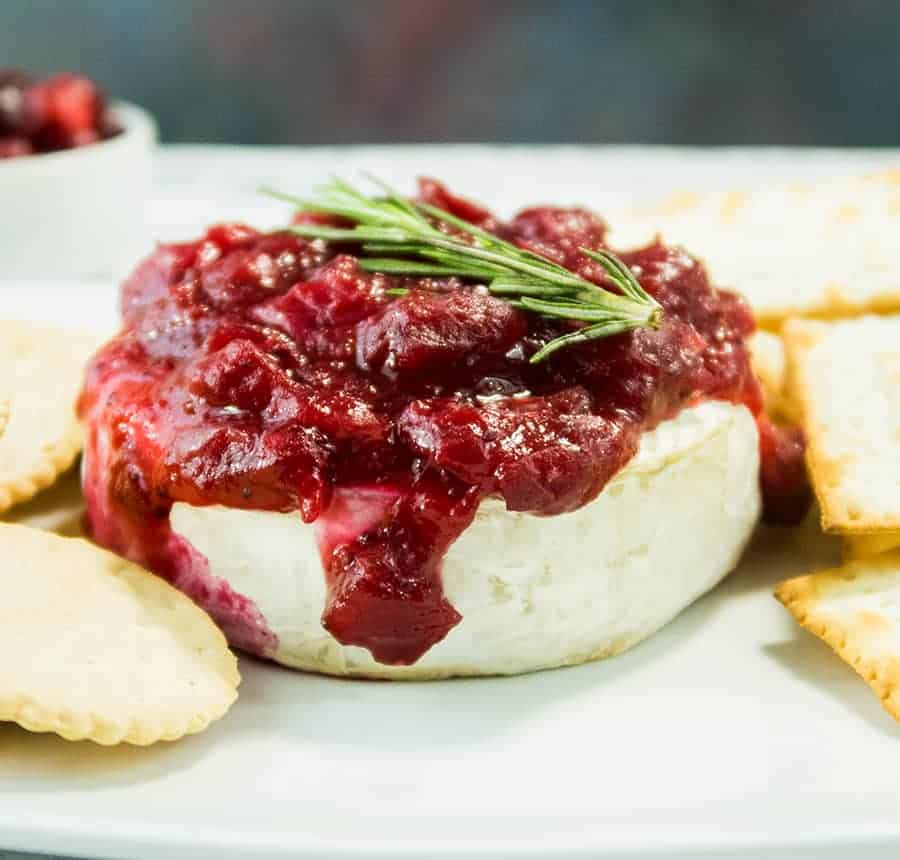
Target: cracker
[
  {"x": 770, "y": 365},
  {"x": 825, "y": 250},
  {"x": 41, "y": 371},
  {"x": 865, "y": 546},
  {"x": 845, "y": 382},
  {"x": 93, "y": 647},
  {"x": 856, "y": 610}
]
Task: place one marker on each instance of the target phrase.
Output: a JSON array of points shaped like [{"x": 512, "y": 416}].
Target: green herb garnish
[{"x": 402, "y": 237}]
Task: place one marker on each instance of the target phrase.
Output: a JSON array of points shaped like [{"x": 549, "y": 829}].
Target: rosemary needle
[{"x": 403, "y": 237}]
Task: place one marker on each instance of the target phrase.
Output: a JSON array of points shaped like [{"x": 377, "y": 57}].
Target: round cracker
[
  {"x": 41, "y": 371},
  {"x": 95, "y": 648}
]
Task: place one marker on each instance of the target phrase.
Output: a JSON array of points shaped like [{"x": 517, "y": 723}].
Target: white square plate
[{"x": 730, "y": 733}]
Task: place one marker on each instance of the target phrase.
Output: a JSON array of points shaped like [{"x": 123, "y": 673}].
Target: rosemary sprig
[{"x": 402, "y": 237}]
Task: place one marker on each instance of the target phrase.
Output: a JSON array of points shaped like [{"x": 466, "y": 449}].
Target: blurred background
[{"x": 360, "y": 71}]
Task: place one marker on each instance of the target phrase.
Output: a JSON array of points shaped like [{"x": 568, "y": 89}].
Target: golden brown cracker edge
[{"x": 850, "y": 638}]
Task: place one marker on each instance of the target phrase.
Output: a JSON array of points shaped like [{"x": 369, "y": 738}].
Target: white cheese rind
[{"x": 534, "y": 592}]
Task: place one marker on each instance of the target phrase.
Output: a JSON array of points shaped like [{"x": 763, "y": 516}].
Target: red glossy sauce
[
  {"x": 62, "y": 112},
  {"x": 269, "y": 372},
  {"x": 783, "y": 479}
]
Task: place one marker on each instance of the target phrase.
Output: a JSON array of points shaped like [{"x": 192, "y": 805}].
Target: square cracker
[
  {"x": 844, "y": 380},
  {"x": 856, "y": 610},
  {"x": 825, "y": 250}
]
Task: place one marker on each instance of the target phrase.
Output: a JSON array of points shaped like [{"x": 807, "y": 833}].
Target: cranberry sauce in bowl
[
  {"x": 74, "y": 175},
  {"x": 271, "y": 372},
  {"x": 61, "y": 112}
]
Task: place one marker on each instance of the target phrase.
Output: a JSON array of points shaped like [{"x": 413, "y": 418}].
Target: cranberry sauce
[
  {"x": 62, "y": 112},
  {"x": 269, "y": 372}
]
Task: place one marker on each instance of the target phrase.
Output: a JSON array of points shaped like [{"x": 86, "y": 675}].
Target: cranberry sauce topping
[
  {"x": 787, "y": 494},
  {"x": 270, "y": 372},
  {"x": 61, "y": 112}
]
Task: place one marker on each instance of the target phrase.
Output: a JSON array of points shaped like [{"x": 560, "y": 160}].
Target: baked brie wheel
[
  {"x": 533, "y": 592},
  {"x": 404, "y": 439}
]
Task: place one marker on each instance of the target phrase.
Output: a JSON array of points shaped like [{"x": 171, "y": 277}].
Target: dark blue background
[{"x": 277, "y": 71}]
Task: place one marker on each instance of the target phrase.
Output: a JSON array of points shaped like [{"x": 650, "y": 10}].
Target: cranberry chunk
[
  {"x": 335, "y": 295},
  {"x": 283, "y": 468},
  {"x": 544, "y": 456},
  {"x": 274, "y": 344},
  {"x": 425, "y": 330},
  {"x": 239, "y": 377},
  {"x": 559, "y": 234},
  {"x": 266, "y": 266},
  {"x": 67, "y": 111}
]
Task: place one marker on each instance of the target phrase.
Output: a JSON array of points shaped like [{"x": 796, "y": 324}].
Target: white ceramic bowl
[{"x": 78, "y": 213}]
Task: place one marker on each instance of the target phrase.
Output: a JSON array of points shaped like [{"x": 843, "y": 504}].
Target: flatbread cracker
[
  {"x": 845, "y": 382},
  {"x": 825, "y": 250},
  {"x": 93, "y": 647},
  {"x": 856, "y": 610},
  {"x": 41, "y": 371}
]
